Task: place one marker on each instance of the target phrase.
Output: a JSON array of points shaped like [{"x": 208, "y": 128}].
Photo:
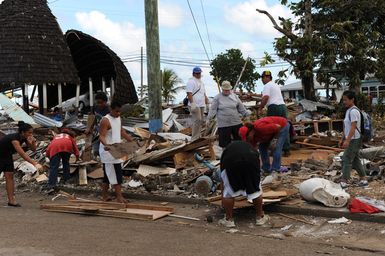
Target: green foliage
[
  {"x": 171, "y": 84},
  {"x": 340, "y": 39},
  {"x": 228, "y": 66}
]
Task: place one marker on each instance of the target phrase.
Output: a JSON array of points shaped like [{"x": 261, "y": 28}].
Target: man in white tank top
[{"x": 111, "y": 132}]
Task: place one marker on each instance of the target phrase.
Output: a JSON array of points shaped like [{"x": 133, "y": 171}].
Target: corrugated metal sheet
[{"x": 46, "y": 121}]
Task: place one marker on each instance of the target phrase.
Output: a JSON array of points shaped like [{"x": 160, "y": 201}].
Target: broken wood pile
[{"x": 109, "y": 209}]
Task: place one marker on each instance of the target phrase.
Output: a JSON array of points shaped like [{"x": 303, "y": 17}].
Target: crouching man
[
  {"x": 111, "y": 132},
  {"x": 241, "y": 176}
]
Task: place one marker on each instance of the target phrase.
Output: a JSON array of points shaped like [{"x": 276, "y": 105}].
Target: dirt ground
[{"x": 30, "y": 231}]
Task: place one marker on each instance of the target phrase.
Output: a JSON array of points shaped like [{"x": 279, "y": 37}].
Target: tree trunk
[
  {"x": 308, "y": 87},
  {"x": 356, "y": 87}
]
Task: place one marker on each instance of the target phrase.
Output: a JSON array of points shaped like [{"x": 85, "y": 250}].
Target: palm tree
[{"x": 171, "y": 84}]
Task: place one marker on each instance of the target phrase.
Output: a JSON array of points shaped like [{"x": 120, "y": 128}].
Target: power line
[
  {"x": 207, "y": 29},
  {"x": 197, "y": 28}
]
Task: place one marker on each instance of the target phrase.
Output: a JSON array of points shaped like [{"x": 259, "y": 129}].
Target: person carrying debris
[
  {"x": 60, "y": 149},
  {"x": 197, "y": 101},
  {"x": 241, "y": 176},
  {"x": 227, "y": 108},
  {"x": 352, "y": 141},
  {"x": 273, "y": 99},
  {"x": 9, "y": 145},
  {"x": 101, "y": 109},
  {"x": 111, "y": 132},
  {"x": 262, "y": 132}
]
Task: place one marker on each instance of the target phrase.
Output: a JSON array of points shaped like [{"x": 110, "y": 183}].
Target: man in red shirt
[
  {"x": 262, "y": 132},
  {"x": 60, "y": 149}
]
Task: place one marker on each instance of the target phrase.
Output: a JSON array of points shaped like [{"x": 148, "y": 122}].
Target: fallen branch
[{"x": 297, "y": 219}]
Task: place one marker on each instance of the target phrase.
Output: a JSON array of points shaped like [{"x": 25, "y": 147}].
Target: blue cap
[{"x": 197, "y": 70}]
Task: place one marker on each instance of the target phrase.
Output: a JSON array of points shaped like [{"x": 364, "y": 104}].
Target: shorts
[
  {"x": 6, "y": 165},
  {"x": 228, "y": 134},
  {"x": 229, "y": 193},
  {"x": 113, "y": 174}
]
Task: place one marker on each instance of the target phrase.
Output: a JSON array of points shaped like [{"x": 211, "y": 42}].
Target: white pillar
[
  {"x": 103, "y": 85},
  {"x": 91, "y": 93},
  {"x": 112, "y": 88},
  {"x": 60, "y": 96},
  {"x": 45, "y": 103},
  {"x": 77, "y": 96},
  {"x": 26, "y": 99}
]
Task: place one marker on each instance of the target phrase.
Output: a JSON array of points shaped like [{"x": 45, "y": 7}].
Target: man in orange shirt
[{"x": 262, "y": 132}]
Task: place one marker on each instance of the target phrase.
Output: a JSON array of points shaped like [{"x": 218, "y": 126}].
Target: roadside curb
[
  {"x": 306, "y": 209},
  {"x": 321, "y": 211}
]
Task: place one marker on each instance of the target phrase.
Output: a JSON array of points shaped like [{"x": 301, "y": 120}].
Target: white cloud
[
  {"x": 122, "y": 37},
  {"x": 170, "y": 15},
  {"x": 246, "y": 17},
  {"x": 246, "y": 47}
]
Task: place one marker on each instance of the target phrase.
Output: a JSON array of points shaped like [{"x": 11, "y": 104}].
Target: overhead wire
[
  {"x": 207, "y": 29},
  {"x": 197, "y": 28}
]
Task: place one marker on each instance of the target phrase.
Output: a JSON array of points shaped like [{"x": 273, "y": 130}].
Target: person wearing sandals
[
  {"x": 10, "y": 144},
  {"x": 352, "y": 141}
]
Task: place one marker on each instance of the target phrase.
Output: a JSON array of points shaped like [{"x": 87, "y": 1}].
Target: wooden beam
[{"x": 319, "y": 146}]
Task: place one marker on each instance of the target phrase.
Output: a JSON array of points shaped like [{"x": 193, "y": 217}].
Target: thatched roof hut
[
  {"x": 95, "y": 60},
  {"x": 33, "y": 49}
]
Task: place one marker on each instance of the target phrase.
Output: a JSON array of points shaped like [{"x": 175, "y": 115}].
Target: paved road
[{"x": 31, "y": 231}]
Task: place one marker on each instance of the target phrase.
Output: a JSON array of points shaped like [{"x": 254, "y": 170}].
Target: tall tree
[
  {"x": 171, "y": 84},
  {"x": 228, "y": 66},
  {"x": 297, "y": 45},
  {"x": 337, "y": 39},
  {"x": 354, "y": 31}
]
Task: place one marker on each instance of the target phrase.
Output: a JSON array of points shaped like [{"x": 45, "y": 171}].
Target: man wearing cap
[
  {"x": 262, "y": 132},
  {"x": 272, "y": 98},
  {"x": 197, "y": 101},
  {"x": 228, "y": 109}
]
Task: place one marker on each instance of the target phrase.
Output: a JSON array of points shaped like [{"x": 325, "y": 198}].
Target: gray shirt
[
  {"x": 352, "y": 115},
  {"x": 228, "y": 110}
]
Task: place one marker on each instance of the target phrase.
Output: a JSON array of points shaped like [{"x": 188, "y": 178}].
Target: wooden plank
[
  {"x": 183, "y": 160},
  {"x": 83, "y": 176},
  {"x": 127, "y": 205},
  {"x": 96, "y": 174},
  {"x": 274, "y": 194},
  {"x": 109, "y": 211},
  {"x": 146, "y": 170},
  {"x": 319, "y": 146},
  {"x": 87, "y": 154}
]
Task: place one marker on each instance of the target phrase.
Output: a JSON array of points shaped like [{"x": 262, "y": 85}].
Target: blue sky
[{"x": 120, "y": 25}]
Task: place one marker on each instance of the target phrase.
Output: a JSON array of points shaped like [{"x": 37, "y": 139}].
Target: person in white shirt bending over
[
  {"x": 111, "y": 132},
  {"x": 197, "y": 101}
]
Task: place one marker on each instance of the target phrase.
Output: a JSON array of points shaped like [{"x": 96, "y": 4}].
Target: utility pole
[
  {"x": 153, "y": 65},
  {"x": 141, "y": 73}
]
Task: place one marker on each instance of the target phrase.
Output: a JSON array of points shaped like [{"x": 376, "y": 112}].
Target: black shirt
[
  {"x": 6, "y": 147},
  {"x": 241, "y": 162}
]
